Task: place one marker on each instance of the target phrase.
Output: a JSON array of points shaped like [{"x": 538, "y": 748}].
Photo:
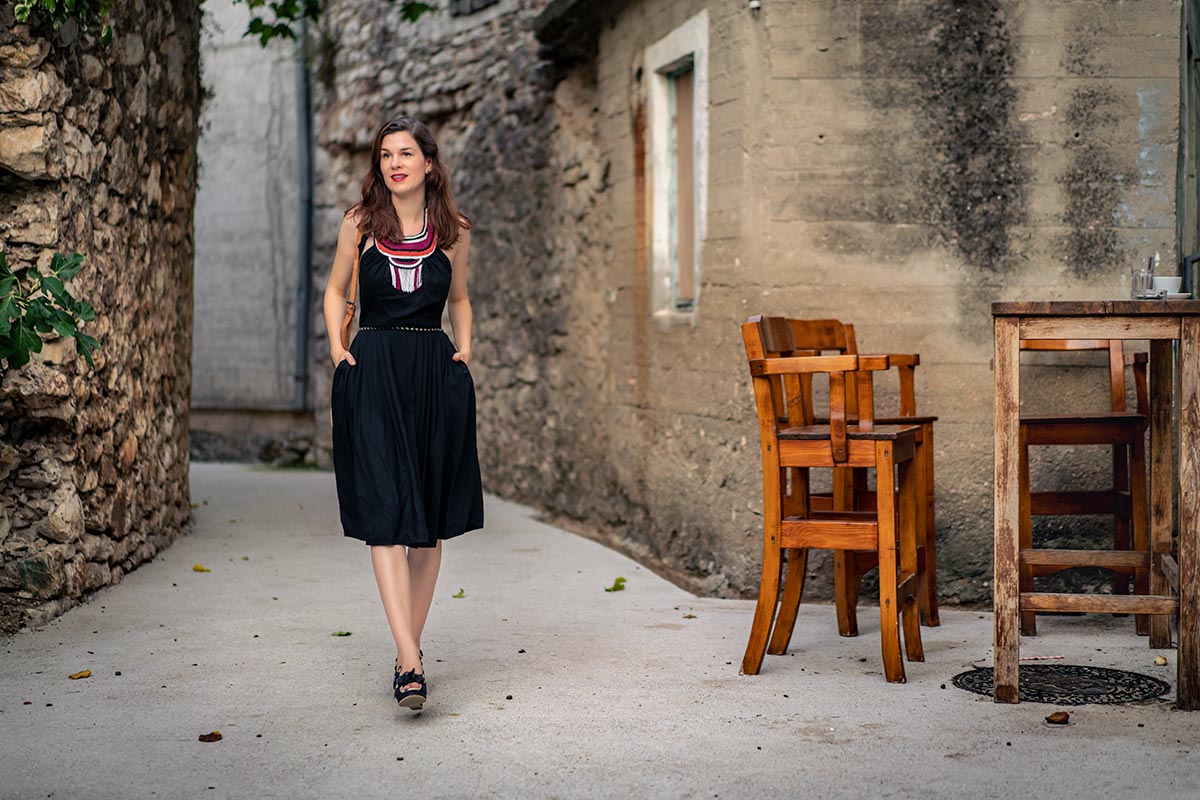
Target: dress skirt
[{"x": 404, "y": 450}]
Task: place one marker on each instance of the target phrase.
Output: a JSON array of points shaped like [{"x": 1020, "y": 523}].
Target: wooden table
[{"x": 1163, "y": 323}]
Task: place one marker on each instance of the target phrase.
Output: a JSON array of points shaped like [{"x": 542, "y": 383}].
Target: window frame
[{"x": 663, "y": 61}]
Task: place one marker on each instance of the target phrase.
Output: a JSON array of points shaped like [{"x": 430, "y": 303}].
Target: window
[{"x": 678, "y": 116}]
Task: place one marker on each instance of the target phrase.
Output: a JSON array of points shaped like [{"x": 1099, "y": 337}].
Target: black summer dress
[{"x": 404, "y": 455}]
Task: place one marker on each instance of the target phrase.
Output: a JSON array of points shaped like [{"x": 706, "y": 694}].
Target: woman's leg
[
  {"x": 395, "y": 589},
  {"x": 423, "y": 566}
]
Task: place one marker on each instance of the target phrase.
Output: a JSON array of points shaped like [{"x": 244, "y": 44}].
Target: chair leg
[
  {"x": 789, "y": 606},
  {"x": 846, "y": 580},
  {"x": 768, "y": 589},
  {"x": 1025, "y": 530},
  {"x": 927, "y": 531},
  {"x": 910, "y": 518},
  {"x": 889, "y": 616},
  {"x": 1141, "y": 532},
  {"x": 1120, "y": 454}
]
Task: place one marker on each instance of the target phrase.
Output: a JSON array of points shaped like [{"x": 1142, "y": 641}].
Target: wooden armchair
[
  {"x": 789, "y": 337},
  {"x": 790, "y": 449},
  {"x": 1124, "y": 499}
]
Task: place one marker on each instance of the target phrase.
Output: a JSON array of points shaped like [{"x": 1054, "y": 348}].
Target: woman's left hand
[{"x": 463, "y": 356}]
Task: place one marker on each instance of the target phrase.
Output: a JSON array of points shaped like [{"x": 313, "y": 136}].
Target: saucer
[{"x": 1178, "y": 296}]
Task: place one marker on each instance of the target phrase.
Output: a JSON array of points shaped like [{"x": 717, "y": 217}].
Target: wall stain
[
  {"x": 957, "y": 57},
  {"x": 1091, "y": 183}
]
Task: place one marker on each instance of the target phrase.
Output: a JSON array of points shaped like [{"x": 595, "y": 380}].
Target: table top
[{"x": 1096, "y": 308}]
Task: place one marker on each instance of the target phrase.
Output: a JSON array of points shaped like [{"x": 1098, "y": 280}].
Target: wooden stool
[
  {"x": 790, "y": 337},
  {"x": 791, "y": 523},
  {"x": 1125, "y": 500}
]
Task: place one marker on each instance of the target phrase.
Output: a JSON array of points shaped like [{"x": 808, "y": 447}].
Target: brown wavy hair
[{"x": 375, "y": 214}]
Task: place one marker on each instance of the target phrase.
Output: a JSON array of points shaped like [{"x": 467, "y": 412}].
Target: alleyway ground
[{"x": 615, "y": 695}]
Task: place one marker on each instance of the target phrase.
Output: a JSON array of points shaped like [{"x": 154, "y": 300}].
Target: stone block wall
[{"x": 98, "y": 156}]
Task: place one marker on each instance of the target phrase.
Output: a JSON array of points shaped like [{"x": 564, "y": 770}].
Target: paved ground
[{"x": 542, "y": 684}]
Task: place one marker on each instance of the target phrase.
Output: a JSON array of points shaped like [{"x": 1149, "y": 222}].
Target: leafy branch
[
  {"x": 84, "y": 13},
  {"x": 286, "y": 13},
  {"x": 45, "y": 308}
]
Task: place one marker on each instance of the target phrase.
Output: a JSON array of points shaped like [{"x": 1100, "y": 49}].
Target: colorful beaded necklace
[{"x": 407, "y": 257}]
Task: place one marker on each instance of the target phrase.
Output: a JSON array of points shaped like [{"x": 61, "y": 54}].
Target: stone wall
[{"x": 97, "y": 156}]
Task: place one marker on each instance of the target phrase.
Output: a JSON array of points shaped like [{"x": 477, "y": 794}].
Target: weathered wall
[
  {"x": 894, "y": 164},
  {"x": 97, "y": 156}
]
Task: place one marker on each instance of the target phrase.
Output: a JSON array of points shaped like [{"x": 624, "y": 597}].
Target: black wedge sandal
[{"x": 412, "y": 698}]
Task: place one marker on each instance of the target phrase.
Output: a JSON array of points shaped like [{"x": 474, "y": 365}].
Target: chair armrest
[
  {"x": 793, "y": 365},
  {"x": 904, "y": 359}
]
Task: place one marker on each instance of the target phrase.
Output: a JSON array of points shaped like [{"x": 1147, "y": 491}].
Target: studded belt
[{"x": 396, "y": 328}]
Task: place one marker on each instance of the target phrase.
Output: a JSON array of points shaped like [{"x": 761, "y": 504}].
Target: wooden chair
[
  {"x": 1124, "y": 500},
  {"x": 788, "y": 337},
  {"x": 799, "y": 444}
]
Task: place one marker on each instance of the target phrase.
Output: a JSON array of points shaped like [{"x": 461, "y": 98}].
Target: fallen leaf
[
  {"x": 195, "y": 505},
  {"x": 200, "y": 568},
  {"x": 689, "y": 616},
  {"x": 232, "y": 520},
  {"x": 460, "y": 594},
  {"x": 215, "y": 736},
  {"x": 618, "y": 586},
  {"x": 245, "y": 558},
  {"x": 1160, "y": 661},
  {"x": 340, "y": 633},
  {"x": 1059, "y": 718},
  {"x": 87, "y": 673}
]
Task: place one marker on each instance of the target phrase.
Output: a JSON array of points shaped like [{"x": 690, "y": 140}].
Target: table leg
[
  {"x": 1162, "y": 479},
  {"x": 1187, "y": 692},
  {"x": 1006, "y": 652}
]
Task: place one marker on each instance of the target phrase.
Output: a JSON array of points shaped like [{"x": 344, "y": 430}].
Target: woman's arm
[
  {"x": 459, "y": 303},
  {"x": 337, "y": 288}
]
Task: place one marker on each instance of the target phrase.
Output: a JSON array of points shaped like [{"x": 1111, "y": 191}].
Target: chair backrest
[
  {"x": 778, "y": 395},
  {"x": 1116, "y": 361},
  {"x": 785, "y": 336}
]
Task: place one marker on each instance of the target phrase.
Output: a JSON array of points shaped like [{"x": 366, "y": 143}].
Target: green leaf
[
  {"x": 340, "y": 633},
  {"x": 28, "y": 339},
  {"x": 106, "y": 35},
  {"x": 460, "y": 594},
  {"x": 5, "y": 269},
  {"x": 52, "y": 286},
  {"x": 8, "y": 284},
  {"x": 68, "y": 267},
  {"x": 8, "y": 313},
  {"x": 84, "y": 345},
  {"x": 412, "y": 11},
  {"x": 62, "y": 323},
  {"x": 618, "y": 586}
]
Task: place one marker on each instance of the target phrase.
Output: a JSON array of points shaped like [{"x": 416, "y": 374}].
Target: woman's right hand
[{"x": 341, "y": 355}]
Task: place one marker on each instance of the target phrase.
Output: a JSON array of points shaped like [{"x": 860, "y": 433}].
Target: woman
[{"x": 403, "y": 402}]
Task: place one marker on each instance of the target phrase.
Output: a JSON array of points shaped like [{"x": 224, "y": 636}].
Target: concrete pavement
[{"x": 612, "y": 694}]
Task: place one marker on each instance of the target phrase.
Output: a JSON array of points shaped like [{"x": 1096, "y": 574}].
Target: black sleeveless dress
[{"x": 404, "y": 454}]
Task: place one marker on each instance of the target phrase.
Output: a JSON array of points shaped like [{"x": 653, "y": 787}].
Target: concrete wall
[
  {"x": 898, "y": 165},
  {"x": 246, "y": 219},
  {"x": 98, "y": 156}
]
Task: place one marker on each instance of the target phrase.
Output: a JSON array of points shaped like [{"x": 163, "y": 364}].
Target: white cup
[{"x": 1171, "y": 284}]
